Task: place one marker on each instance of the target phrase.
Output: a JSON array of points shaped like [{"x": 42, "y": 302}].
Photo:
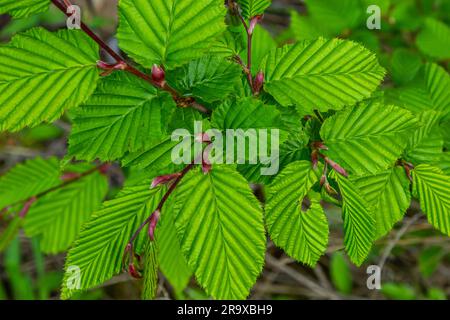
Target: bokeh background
[{"x": 415, "y": 259}]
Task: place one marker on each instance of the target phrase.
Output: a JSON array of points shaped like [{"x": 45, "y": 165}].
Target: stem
[
  {"x": 247, "y": 68},
  {"x": 63, "y": 8},
  {"x": 129, "y": 247},
  {"x": 62, "y": 185},
  {"x": 174, "y": 185},
  {"x": 249, "y": 53}
]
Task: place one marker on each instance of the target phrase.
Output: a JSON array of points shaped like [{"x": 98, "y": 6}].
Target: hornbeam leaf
[
  {"x": 220, "y": 226},
  {"x": 125, "y": 114},
  {"x": 426, "y": 144},
  {"x": 252, "y": 8},
  {"x": 359, "y": 223},
  {"x": 23, "y": 8},
  {"x": 172, "y": 262},
  {"x": 429, "y": 91},
  {"x": 434, "y": 39},
  {"x": 35, "y": 88},
  {"x": 156, "y": 157},
  {"x": 228, "y": 44},
  {"x": 245, "y": 113},
  {"x": 445, "y": 133},
  {"x": 444, "y": 163},
  {"x": 368, "y": 138},
  {"x": 208, "y": 78},
  {"x": 388, "y": 194},
  {"x": 100, "y": 246},
  {"x": 295, "y": 148},
  {"x": 302, "y": 234},
  {"x": 28, "y": 179},
  {"x": 432, "y": 187},
  {"x": 404, "y": 65},
  {"x": 339, "y": 15},
  {"x": 59, "y": 215},
  {"x": 150, "y": 271},
  {"x": 169, "y": 32},
  {"x": 321, "y": 74}
]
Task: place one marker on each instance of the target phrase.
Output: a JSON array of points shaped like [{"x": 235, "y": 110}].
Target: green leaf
[
  {"x": 156, "y": 157},
  {"x": 150, "y": 271},
  {"x": 407, "y": 15},
  {"x": 359, "y": 222},
  {"x": 307, "y": 28},
  {"x": 294, "y": 148},
  {"x": 426, "y": 144},
  {"x": 252, "y": 122},
  {"x": 340, "y": 273},
  {"x": 28, "y": 179},
  {"x": 100, "y": 246},
  {"x": 339, "y": 15},
  {"x": 404, "y": 65},
  {"x": 368, "y": 138},
  {"x": 388, "y": 194},
  {"x": 252, "y": 8},
  {"x": 445, "y": 132},
  {"x": 35, "y": 88},
  {"x": 228, "y": 44},
  {"x": 432, "y": 188},
  {"x": 398, "y": 291},
  {"x": 436, "y": 294},
  {"x": 434, "y": 39},
  {"x": 444, "y": 163},
  {"x": 321, "y": 74},
  {"x": 23, "y": 8},
  {"x": 169, "y": 32},
  {"x": 9, "y": 233},
  {"x": 209, "y": 78},
  {"x": 245, "y": 113},
  {"x": 125, "y": 114},
  {"x": 58, "y": 216},
  {"x": 302, "y": 234},
  {"x": 430, "y": 91},
  {"x": 430, "y": 259},
  {"x": 208, "y": 208},
  {"x": 172, "y": 262}
]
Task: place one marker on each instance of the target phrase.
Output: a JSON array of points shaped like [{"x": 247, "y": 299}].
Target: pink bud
[
  {"x": 158, "y": 75},
  {"x": 104, "y": 66},
  {"x": 206, "y": 164},
  {"x": 203, "y": 138},
  {"x": 314, "y": 159},
  {"x": 408, "y": 172},
  {"x": 152, "y": 224},
  {"x": 164, "y": 179},
  {"x": 330, "y": 190},
  {"x": 319, "y": 145},
  {"x": 103, "y": 169},
  {"x": 109, "y": 68},
  {"x": 206, "y": 167},
  {"x": 323, "y": 180},
  {"x": 69, "y": 176},
  {"x": 336, "y": 167},
  {"x": 27, "y": 207},
  {"x": 133, "y": 272},
  {"x": 258, "y": 83},
  {"x": 253, "y": 22}
]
